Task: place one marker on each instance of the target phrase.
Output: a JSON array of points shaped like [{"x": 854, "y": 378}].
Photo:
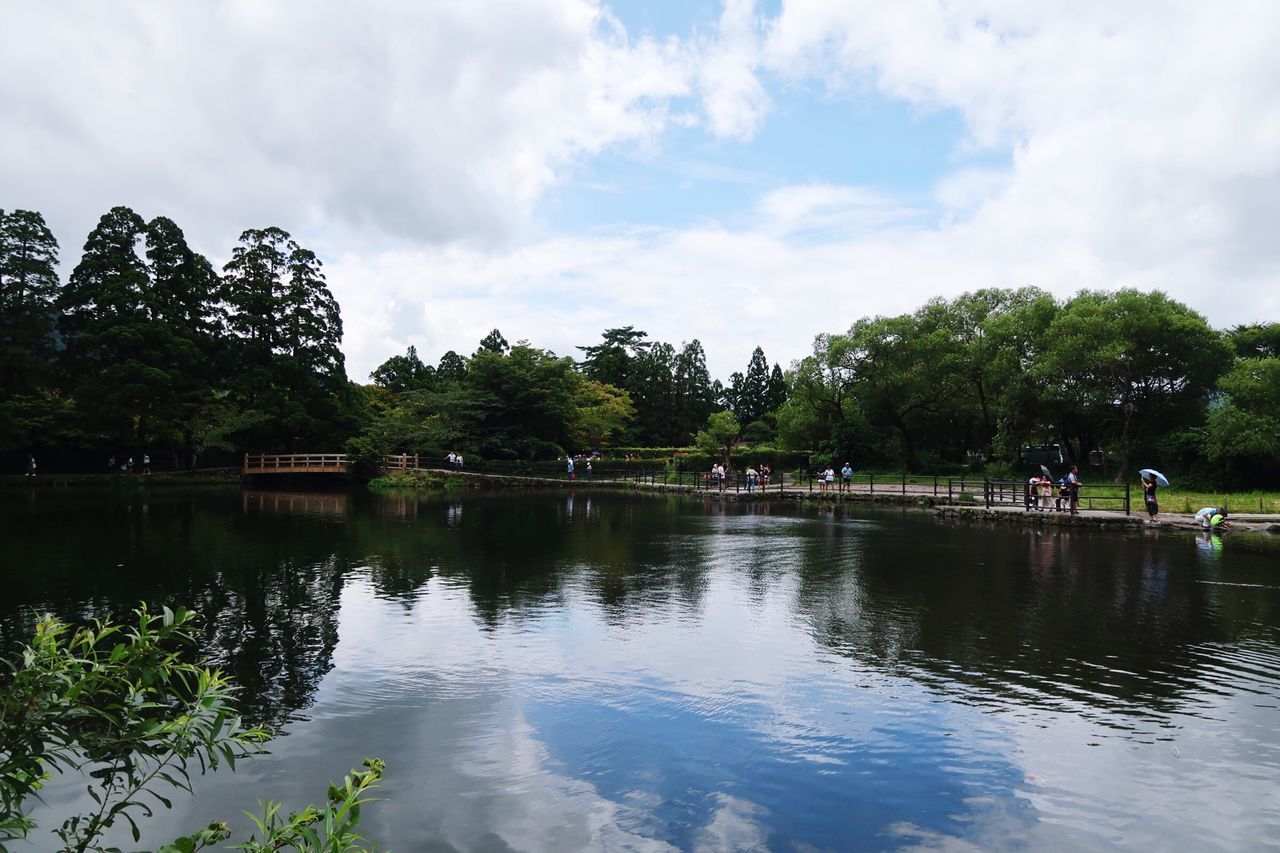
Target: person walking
[
  {"x": 1073, "y": 489},
  {"x": 1149, "y": 497}
]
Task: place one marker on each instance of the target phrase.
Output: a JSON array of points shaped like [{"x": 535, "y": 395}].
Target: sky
[{"x": 745, "y": 173}]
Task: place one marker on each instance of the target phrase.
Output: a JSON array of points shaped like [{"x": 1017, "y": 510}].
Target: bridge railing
[{"x": 297, "y": 463}]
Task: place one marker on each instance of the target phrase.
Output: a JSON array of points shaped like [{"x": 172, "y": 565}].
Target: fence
[{"x": 1018, "y": 493}]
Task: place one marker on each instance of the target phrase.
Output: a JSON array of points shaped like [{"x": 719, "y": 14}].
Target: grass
[{"x": 1177, "y": 500}]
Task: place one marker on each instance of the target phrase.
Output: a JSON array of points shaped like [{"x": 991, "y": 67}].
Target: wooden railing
[{"x": 295, "y": 463}]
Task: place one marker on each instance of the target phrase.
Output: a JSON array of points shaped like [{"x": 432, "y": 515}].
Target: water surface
[{"x": 603, "y": 671}]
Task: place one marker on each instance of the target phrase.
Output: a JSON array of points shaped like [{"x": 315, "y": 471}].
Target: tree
[
  {"x": 1243, "y": 429},
  {"x": 602, "y": 411},
  {"x": 452, "y": 368},
  {"x": 691, "y": 390},
  {"x": 717, "y": 438},
  {"x": 753, "y": 388},
  {"x": 495, "y": 342},
  {"x": 404, "y": 373},
  {"x": 28, "y": 294},
  {"x": 523, "y": 402},
  {"x": 28, "y": 291},
  {"x": 610, "y": 360},
  {"x": 653, "y": 392},
  {"x": 287, "y": 334},
  {"x": 1128, "y": 363},
  {"x": 776, "y": 390}
]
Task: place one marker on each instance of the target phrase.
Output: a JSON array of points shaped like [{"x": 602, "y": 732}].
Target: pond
[{"x": 610, "y": 671}]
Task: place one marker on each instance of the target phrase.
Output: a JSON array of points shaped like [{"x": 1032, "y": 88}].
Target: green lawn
[{"x": 1173, "y": 499}]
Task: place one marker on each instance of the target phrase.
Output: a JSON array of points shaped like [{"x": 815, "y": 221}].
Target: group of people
[
  {"x": 718, "y": 476},
  {"x": 126, "y": 467},
  {"x": 827, "y": 478},
  {"x": 1040, "y": 491},
  {"x": 455, "y": 460},
  {"x": 572, "y": 468}
]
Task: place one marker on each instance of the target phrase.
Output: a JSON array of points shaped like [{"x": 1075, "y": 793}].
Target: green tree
[
  {"x": 610, "y": 360},
  {"x": 522, "y": 402},
  {"x": 495, "y": 342},
  {"x": 287, "y": 334},
  {"x": 602, "y": 411},
  {"x": 28, "y": 294},
  {"x": 1126, "y": 365},
  {"x": 1243, "y": 429},
  {"x": 753, "y": 391},
  {"x": 718, "y": 436},
  {"x": 692, "y": 390},
  {"x": 452, "y": 367},
  {"x": 404, "y": 373},
  {"x": 138, "y": 344}
]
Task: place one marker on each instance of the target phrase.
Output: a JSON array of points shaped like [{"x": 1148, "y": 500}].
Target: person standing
[
  {"x": 846, "y": 478},
  {"x": 1033, "y": 493},
  {"x": 1073, "y": 489},
  {"x": 589, "y": 474},
  {"x": 457, "y": 461},
  {"x": 31, "y": 465},
  {"x": 829, "y": 477},
  {"x": 569, "y": 464},
  {"x": 128, "y": 465},
  {"x": 1149, "y": 497},
  {"x": 452, "y": 459},
  {"x": 720, "y": 475},
  {"x": 751, "y": 479},
  {"x": 146, "y": 463},
  {"x": 1046, "y": 492}
]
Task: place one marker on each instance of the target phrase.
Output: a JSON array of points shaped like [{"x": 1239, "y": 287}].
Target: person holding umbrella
[{"x": 1151, "y": 478}]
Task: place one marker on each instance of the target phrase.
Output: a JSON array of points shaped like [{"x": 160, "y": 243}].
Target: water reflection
[{"x": 594, "y": 670}]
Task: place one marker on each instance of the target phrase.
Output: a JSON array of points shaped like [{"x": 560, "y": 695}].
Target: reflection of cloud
[{"x": 733, "y": 826}]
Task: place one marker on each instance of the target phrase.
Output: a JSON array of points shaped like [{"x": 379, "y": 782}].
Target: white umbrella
[{"x": 1160, "y": 479}]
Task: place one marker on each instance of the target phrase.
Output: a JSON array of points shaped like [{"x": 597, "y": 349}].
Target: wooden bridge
[{"x": 317, "y": 463}]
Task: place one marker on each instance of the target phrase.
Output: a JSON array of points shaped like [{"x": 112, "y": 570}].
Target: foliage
[
  {"x": 1244, "y": 428},
  {"x": 119, "y": 704},
  {"x": 327, "y": 829},
  {"x": 718, "y": 436},
  {"x": 977, "y": 377},
  {"x": 602, "y": 411}
]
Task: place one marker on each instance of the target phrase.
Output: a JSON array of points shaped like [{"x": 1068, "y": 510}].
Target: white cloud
[
  {"x": 423, "y": 122},
  {"x": 733, "y": 97},
  {"x": 411, "y": 145}
]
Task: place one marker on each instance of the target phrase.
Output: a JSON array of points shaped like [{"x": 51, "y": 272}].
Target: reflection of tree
[
  {"x": 1059, "y": 616},
  {"x": 265, "y": 583}
]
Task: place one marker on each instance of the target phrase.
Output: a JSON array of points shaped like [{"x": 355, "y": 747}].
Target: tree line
[
  {"x": 148, "y": 347},
  {"x": 1120, "y": 380}
]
